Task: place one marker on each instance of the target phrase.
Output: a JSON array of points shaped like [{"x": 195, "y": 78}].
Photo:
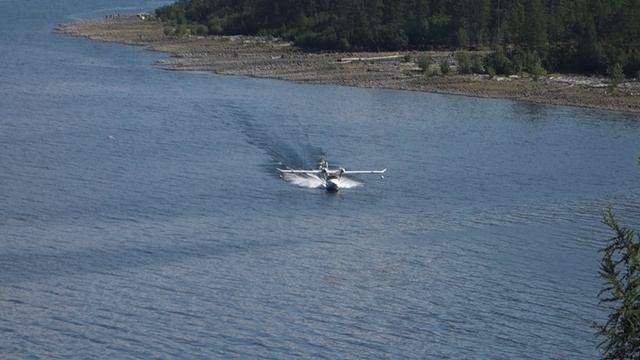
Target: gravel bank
[{"x": 268, "y": 58}]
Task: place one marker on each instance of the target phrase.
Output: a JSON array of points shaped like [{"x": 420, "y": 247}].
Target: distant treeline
[{"x": 584, "y": 36}]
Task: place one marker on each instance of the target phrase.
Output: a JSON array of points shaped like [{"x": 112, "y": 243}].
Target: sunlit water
[{"x": 142, "y": 215}]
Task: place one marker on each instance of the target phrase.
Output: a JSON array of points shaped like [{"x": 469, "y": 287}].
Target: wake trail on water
[{"x": 282, "y": 139}]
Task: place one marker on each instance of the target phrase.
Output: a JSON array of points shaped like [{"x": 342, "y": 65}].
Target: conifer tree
[
  {"x": 535, "y": 31},
  {"x": 620, "y": 270},
  {"x": 584, "y": 36}
]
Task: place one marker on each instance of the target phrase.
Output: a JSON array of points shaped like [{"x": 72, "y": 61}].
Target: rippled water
[{"x": 142, "y": 216}]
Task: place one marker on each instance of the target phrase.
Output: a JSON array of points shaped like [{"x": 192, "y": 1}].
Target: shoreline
[{"x": 263, "y": 57}]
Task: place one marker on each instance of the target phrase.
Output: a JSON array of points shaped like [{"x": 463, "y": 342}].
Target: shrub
[
  {"x": 476, "y": 65},
  {"x": 536, "y": 70},
  {"x": 168, "y": 31},
  {"x": 183, "y": 30},
  {"x": 519, "y": 60},
  {"x": 464, "y": 64},
  {"x": 499, "y": 61},
  {"x": 445, "y": 68},
  {"x": 616, "y": 75},
  {"x": 491, "y": 71},
  {"x": 199, "y": 29},
  {"x": 215, "y": 25},
  {"x": 424, "y": 62}
]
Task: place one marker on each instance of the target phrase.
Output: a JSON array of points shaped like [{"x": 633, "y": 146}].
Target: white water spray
[{"x": 311, "y": 181}]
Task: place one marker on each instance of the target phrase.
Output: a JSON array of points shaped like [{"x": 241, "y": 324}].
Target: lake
[{"x": 142, "y": 215}]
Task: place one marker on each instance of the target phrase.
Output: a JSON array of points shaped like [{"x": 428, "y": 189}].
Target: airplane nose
[{"x": 332, "y": 185}]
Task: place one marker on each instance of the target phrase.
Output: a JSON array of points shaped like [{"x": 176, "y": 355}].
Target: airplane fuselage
[
  {"x": 332, "y": 183},
  {"x": 331, "y": 177}
]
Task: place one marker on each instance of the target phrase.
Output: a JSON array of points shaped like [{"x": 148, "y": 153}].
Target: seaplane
[{"x": 331, "y": 178}]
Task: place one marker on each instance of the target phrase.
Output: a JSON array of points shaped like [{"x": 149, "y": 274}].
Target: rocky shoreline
[{"x": 270, "y": 58}]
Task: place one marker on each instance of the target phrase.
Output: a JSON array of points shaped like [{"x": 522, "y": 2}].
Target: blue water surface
[{"x": 142, "y": 216}]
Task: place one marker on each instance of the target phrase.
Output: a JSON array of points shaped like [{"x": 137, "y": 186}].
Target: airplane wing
[
  {"x": 288, "y": 171},
  {"x": 365, "y": 171}
]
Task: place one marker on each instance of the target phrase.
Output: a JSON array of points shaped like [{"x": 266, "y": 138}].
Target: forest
[{"x": 572, "y": 36}]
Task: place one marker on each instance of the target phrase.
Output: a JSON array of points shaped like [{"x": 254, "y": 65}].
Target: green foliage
[
  {"x": 463, "y": 38},
  {"x": 214, "y": 25},
  {"x": 566, "y": 35},
  {"x": 616, "y": 75},
  {"x": 182, "y": 30},
  {"x": 620, "y": 271},
  {"x": 407, "y": 58},
  {"x": 527, "y": 61},
  {"x": 536, "y": 70},
  {"x": 445, "y": 68},
  {"x": 534, "y": 33},
  {"x": 391, "y": 37},
  {"x": 464, "y": 64},
  {"x": 499, "y": 62},
  {"x": 199, "y": 29},
  {"x": 477, "y": 66},
  {"x": 491, "y": 71},
  {"x": 321, "y": 32},
  {"x": 168, "y": 31},
  {"x": 424, "y": 62},
  {"x": 518, "y": 60}
]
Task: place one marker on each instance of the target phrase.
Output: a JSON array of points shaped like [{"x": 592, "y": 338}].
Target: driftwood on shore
[
  {"x": 347, "y": 60},
  {"x": 272, "y": 58}
]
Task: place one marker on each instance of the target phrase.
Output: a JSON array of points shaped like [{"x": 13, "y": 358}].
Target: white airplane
[{"x": 331, "y": 177}]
